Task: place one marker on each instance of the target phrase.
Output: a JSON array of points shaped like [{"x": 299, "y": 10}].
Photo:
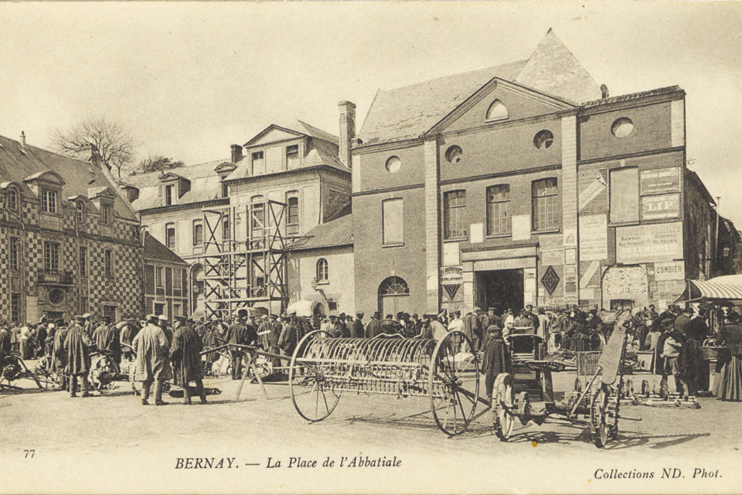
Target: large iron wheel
[
  {"x": 313, "y": 398},
  {"x": 502, "y": 406},
  {"x": 599, "y": 416},
  {"x": 453, "y": 383}
]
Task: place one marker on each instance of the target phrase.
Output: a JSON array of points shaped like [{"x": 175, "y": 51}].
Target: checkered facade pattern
[{"x": 66, "y": 289}]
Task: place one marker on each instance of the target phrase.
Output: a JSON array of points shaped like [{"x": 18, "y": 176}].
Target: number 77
[{"x": 29, "y": 453}]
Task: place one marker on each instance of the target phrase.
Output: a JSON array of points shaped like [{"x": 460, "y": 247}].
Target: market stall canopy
[
  {"x": 302, "y": 308},
  {"x": 726, "y": 287}
]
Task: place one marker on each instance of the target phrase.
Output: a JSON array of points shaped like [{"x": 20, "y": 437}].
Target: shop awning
[{"x": 728, "y": 287}]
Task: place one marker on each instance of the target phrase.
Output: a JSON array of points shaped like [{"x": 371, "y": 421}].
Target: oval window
[
  {"x": 454, "y": 154},
  {"x": 393, "y": 164},
  {"x": 543, "y": 139},
  {"x": 622, "y": 127}
]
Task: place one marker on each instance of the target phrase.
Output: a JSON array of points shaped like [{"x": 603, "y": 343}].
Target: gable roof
[
  {"x": 300, "y": 129},
  {"x": 19, "y": 162},
  {"x": 154, "y": 250},
  {"x": 411, "y": 111},
  {"x": 338, "y": 232}
]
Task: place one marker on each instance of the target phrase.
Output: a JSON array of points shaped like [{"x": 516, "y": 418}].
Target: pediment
[
  {"x": 170, "y": 176},
  {"x": 273, "y": 134},
  {"x": 101, "y": 193},
  {"x": 500, "y": 97},
  {"x": 225, "y": 167},
  {"x": 49, "y": 176}
]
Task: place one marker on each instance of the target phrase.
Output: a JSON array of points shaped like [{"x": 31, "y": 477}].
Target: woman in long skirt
[{"x": 728, "y": 384}]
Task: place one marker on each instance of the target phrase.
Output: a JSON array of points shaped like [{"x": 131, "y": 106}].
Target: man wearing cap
[
  {"x": 59, "y": 356},
  {"x": 153, "y": 365},
  {"x": 333, "y": 328},
  {"x": 185, "y": 355},
  {"x": 670, "y": 347},
  {"x": 273, "y": 337},
  {"x": 374, "y": 326},
  {"x": 87, "y": 324},
  {"x": 163, "y": 323},
  {"x": 77, "y": 349},
  {"x": 241, "y": 334},
  {"x": 106, "y": 338},
  {"x": 290, "y": 335},
  {"x": 356, "y": 330},
  {"x": 496, "y": 359}
]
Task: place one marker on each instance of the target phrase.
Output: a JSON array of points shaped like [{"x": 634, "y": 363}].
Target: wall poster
[{"x": 644, "y": 243}]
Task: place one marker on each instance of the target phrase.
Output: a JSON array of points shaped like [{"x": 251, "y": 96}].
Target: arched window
[
  {"x": 497, "y": 111},
  {"x": 12, "y": 199},
  {"x": 322, "y": 270},
  {"x": 198, "y": 232},
  {"x": 292, "y": 213},
  {"x": 394, "y": 296}
]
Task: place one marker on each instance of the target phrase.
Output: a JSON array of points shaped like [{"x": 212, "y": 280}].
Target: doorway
[{"x": 500, "y": 289}]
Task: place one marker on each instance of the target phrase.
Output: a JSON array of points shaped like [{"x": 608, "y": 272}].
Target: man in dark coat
[
  {"x": 152, "y": 363},
  {"x": 290, "y": 335},
  {"x": 185, "y": 355},
  {"x": 273, "y": 339},
  {"x": 356, "y": 330},
  {"x": 106, "y": 338},
  {"x": 241, "y": 334},
  {"x": 77, "y": 348},
  {"x": 496, "y": 359},
  {"x": 59, "y": 356},
  {"x": 4, "y": 343}
]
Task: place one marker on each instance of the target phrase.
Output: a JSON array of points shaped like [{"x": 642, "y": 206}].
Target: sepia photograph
[{"x": 370, "y": 247}]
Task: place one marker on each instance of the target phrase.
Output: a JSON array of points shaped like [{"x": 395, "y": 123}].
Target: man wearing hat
[
  {"x": 240, "y": 333},
  {"x": 356, "y": 329},
  {"x": 59, "y": 356},
  {"x": 290, "y": 335},
  {"x": 77, "y": 349},
  {"x": 496, "y": 359},
  {"x": 107, "y": 339},
  {"x": 670, "y": 349},
  {"x": 87, "y": 324},
  {"x": 185, "y": 355},
  {"x": 153, "y": 364},
  {"x": 374, "y": 326}
]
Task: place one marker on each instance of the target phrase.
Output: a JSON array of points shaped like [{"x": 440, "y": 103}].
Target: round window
[
  {"x": 393, "y": 164},
  {"x": 622, "y": 127},
  {"x": 543, "y": 139},
  {"x": 56, "y": 296},
  {"x": 454, "y": 154}
]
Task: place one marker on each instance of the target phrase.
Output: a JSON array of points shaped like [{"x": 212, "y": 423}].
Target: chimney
[
  {"x": 236, "y": 153},
  {"x": 604, "y": 91},
  {"x": 23, "y": 139},
  {"x": 96, "y": 159},
  {"x": 347, "y": 130}
]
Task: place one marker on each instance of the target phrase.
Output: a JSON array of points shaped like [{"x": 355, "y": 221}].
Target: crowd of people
[{"x": 159, "y": 353}]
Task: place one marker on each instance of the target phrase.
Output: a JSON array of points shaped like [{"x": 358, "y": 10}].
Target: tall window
[
  {"x": 198, "y": 232},
  {"x": 170, "y": 235},
  {"x": 83, "y": 261},
  {"x": 106, "y": 213},
  {"x": 83, "y": 305},
  {"x": 158, "y": 277},
  {"x": 257, "y": 215},
  {"x": 292, "y": 156},
  {"x": 393, "y": 221},
  {"x": 48, "y": 201},
  {"x": 168, "y": 195},
  {"x": 177, "y": 279},
  {"x": 15, "y": 253},
  {"x": 108, "y": 260},
  {"x": 80, "y": 212},
  {"x": 454, "y": 208},
  {"x": 15, "y": 308},
  {"x": 545, "y": 196},
  {"x": 226, "y": 232},
  {"x": 292, "y": 219},
  {"x": 498, "y": 214},
  {"x": 322, "y": 272},
  {"x": 624, "y": 195},
  {"x": 258, "y": 163},
  {"x": 51, "y": 257},
  {"x": 12, "y": 199}
]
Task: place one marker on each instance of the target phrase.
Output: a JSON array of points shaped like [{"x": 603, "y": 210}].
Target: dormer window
[
  {"x": 12, "y": 199},
  {"x": 106, "y": 214},
  {"x": 497, "y": 111},
  {"x": 292, "y": 156},
  {"x": 258, "y": 163},
  {"x": 48, "y": 201},
  {"x": 169, "y": 195},
  {"x": 80, "y": 212}
]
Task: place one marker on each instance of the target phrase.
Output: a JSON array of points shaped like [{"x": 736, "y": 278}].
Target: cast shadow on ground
[{"x": 629, "y": 439}]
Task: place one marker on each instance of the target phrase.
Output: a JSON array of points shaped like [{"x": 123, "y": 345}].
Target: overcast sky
[{"x": 190, "y": 79}]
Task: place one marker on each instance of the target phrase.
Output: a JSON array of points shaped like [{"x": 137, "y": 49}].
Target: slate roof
[
  {"x": 338, "y": 232},
  {"x": 632, "y": 96},
  {"x": 18, "y": 163},
  {"x": 154, "y": 250},
  {"x": 205, "y": 185},
  {"x": 411, "y": 111}
]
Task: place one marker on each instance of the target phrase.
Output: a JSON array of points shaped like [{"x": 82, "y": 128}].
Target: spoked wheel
[
  {"x": 453, "y": 383},
  {"x": 311, "y": 394},
  {"x": 503, "y": 406},
  {"x": 45, "y": 374},
  {"x": 599, "y": 416}
]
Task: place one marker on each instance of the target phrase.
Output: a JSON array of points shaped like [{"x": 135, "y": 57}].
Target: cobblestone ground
[{"x": 111, "y": 443}]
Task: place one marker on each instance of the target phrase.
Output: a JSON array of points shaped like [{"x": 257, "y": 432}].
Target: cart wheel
[
  {"x": 599, "y": 416},
  {"x": 524, "y": 408},
  {"x": 503, "y": 403},
  {"x": 313, "y": 398},
  {"x": 453, "y": 383}
]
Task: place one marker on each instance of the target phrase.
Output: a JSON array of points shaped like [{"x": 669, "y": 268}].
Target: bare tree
[
  {"x": 156, "y": 163},
  {"x": 115, "y": 145}
]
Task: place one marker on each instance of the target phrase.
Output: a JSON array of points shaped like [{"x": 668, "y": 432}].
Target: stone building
[
  {"x": 523, "y": 184},
  {"x": 68, "y": 243},
  {"x": 233, "y": 220},
  {"x": 165, "y": 280}
]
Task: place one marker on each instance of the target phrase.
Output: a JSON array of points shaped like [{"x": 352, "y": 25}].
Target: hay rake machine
[{"x": 446, "y": 372}]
